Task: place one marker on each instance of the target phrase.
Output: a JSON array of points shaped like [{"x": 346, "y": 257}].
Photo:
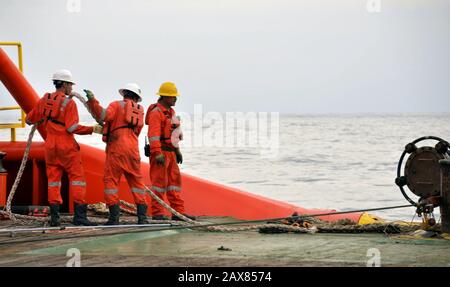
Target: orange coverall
[
  {"x": 122, "y": 153},
  {"x": 62, "y": 150},
  {"x": 166, "y": 179}
]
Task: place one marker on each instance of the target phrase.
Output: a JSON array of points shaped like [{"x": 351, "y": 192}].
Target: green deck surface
[{"x": 249, "y": 248}]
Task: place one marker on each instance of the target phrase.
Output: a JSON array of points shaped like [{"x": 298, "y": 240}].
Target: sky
[{"x": 286, "y": 56}]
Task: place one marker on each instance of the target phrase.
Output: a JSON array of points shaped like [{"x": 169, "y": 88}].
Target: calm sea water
[{"x": 339, "y": 162}]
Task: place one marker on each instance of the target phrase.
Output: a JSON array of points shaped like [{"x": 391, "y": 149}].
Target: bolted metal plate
[{"x": 422, "y": 171}]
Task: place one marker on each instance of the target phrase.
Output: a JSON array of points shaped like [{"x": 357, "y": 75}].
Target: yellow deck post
[{"x": 13, "y": 126}]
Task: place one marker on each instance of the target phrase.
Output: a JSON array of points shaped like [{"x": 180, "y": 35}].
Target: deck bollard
[
  {"x": 445, "y": 195},
  {"x": 3, "y": 180}
]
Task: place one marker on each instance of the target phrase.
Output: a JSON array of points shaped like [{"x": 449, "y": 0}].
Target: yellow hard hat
[{"x": 168, "y": 89}]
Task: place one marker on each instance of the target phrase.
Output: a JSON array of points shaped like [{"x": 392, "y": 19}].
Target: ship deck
[{"x": 189, "y": 248}]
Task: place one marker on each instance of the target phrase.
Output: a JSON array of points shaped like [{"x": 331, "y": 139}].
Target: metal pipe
[
  {"x": 17, "y": 85},
  {"x": 34, "y": 229}
]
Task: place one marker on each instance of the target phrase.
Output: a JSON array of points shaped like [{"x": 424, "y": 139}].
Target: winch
[{"x": 426, "y": 174}]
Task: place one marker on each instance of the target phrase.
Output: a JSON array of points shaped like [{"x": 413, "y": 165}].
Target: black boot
[
  {"x": 114, "y": 214},
  {"x": 80, "y": 218},
  {"x": 54, "y": 215},
  {"x": 142, "y": 214},
  {"x": 174, "y": 217}
]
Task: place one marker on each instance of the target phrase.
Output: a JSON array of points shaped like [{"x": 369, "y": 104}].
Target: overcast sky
[{"x": 303, "y": 56}]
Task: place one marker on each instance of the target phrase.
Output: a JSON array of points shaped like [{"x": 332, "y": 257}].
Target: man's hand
[
  {"x": 89, "y": 94},
  {"x": 179, "y": 156},
  {"x": 160, "y": 159},
  {"x": 98, "y": 129}
]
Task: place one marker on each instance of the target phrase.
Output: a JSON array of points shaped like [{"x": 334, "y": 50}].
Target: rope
[
  {"x": 170, "y": 209},
  {"x": 128, "y": 205},
  {"x": 357, "y": 210},
  {"x": 221, "y": 227},
  {"x": 128, "y": 211},
  {"x": 16, "y": 217},
  {"x": 208, "y": 227},
  {"x": 84, "y": 102},
  {"x": 287, "y": 228}
]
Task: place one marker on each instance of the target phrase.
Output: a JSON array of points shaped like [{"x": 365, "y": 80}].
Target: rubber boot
[
  {"x": 54, "y": 215},
  {"x": 174, "y": 217},
  {"x": 142, "y": 214},
  {"x": 80, "y": 217},
  {"x": 114, "y": 214}
]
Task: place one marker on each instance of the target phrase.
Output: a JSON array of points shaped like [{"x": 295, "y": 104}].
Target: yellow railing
[{"x": 13, "y": 126}]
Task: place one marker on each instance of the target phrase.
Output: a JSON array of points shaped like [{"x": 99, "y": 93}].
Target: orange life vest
[
  {"x": 51, "y": 106},
  {"x": 133, "y": 118},
  {"x": 167, "y": 126},
  {"x": 134, "y": 114}
]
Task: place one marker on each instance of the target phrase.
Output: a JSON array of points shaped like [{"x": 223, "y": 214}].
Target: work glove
[
  {"x": 89, "y": 94},
  {"x": 160, "y": 159},
  {"x": 98, "y": 129},
  {"x": 179, "y": 156}
]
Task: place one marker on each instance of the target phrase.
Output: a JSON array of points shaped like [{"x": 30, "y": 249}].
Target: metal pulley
[{"x": 422, "y": 172}]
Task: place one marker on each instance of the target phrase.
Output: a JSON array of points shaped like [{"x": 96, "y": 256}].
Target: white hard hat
[
  {"x": 132, "y": 87},
  {"x": 63, "y": 75}
]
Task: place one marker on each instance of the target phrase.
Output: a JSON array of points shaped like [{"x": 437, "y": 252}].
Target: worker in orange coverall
[
  {"x": 163, "y": 136},
  {"x": 62, "y": 153},
  {"x": 123, "y": 122}
]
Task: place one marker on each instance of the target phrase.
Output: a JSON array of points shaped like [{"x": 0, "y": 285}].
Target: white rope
[
  {"x": 219, "y": 228},
  {"x": 84, "y": 102},
  {"x": 169, "y": 208},
  {"x": 15, "y": 217}
]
